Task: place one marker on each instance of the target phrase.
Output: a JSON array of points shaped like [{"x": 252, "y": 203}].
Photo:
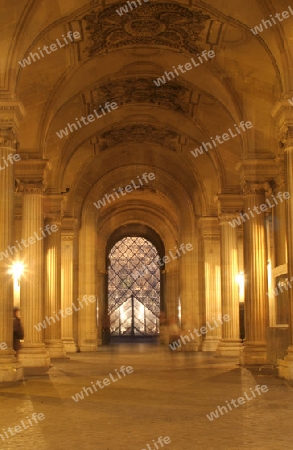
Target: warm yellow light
[
  {"x": 240, "y": 281},
  {"x": 17, "y": 269}
]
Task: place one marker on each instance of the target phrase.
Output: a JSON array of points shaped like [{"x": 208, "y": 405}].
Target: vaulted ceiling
[{"x": 154, "y": 128}]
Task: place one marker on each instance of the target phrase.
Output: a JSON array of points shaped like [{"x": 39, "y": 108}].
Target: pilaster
[
  {"x": 30, "y": 175},
  {"x": 285, "y": 366},
  {"x": 68, "y": 233},
  {"x": 53, "y": 217},
  {"x": 230, "y": 344},
  {"x": 256, "y": 176},
  {"x": 10, "y": 369},
  {"x": 210, "y": 232}
]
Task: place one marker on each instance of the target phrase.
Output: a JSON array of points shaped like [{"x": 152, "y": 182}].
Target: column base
[
  {"x": 69, "y": 345},
  {"x": 190, "y": 347},
  {"x": 210, "y": 344},
  {"x": 34, "y": 356},
  {"x": 10, "y": 369},
  {"x": 88, "y": 348},
  {"x": 55, "y": 348},
  {"x": 229, "y": 348},
  {"x": 254, "y": 353},
  {"x": 285, "y": 366},
  {"x": 88, "y": 345},
  {"x": 164, "y": 336}
]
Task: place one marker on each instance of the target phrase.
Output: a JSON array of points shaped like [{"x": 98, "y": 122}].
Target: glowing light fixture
[
  {"x": 179, "y": 310},
  {"x": 16, "y": 269},
  {"x": 240, "y": 281}
]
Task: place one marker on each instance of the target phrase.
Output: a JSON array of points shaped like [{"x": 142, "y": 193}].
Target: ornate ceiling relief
[
  {"x": 164, "y": 24},
  {"x": 140, "y": 90},
  {"x": 140, "y": 133}
]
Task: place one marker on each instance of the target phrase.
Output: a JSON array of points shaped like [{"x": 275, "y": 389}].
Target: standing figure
[{"x": 18, "y": 333}]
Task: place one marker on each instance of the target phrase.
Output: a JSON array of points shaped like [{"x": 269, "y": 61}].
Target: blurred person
[
  {"x": 18, "y": 332},
  {"x": 106, "y": 329}
]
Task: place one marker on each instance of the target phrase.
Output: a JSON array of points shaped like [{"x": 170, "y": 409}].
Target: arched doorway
[{"x": 133, "y": 289}]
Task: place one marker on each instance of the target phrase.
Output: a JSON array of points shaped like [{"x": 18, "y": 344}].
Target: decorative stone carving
[
  {"x": 165, "y": 24},
  {"x": 53, "y": 209},
  {"x": 286, "y": 138},
  {"x": 11, "y": 113},
  {"x": 31, "y": 175},
  {"x": 253, "y": 188},
  {"x": 229, "y": 206},
  {"x": 142, "y": 90},
  {"x": 30, "y": 186},
  {"x": 8, "y": 138},
  {"x": 140, "y": 133}
]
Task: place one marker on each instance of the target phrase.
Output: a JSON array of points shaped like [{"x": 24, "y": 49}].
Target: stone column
[
  {"x": 230, "y": 343},
  {"x": 285, "y": 366},
  {"x": 87, "y": 316},
  {"x": 102, "y": 307},
  {"x": 67, "y": 243},
  {"x": 53, "y": 312},
  {"x": 279, "y": 217},
  {"x": 33, "y": 353},
  {"x": 9, "y": 368},
  {"x": 212, "y": 283},
  {"x": 171, "y": 297},
  {"x": 187, "y": 290},
  {"x": 256, "y": 279}
]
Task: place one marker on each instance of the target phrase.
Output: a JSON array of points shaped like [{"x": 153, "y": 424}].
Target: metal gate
[{"x": 134, "y": 288}]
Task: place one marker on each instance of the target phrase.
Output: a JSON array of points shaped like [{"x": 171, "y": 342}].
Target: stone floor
[{"x": 168, "y": 394}]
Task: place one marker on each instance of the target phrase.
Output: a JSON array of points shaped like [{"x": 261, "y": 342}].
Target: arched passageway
[{"x": 133, "y": 289}]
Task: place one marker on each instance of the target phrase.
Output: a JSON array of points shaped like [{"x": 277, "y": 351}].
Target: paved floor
[{"x": 168, "y": 394}]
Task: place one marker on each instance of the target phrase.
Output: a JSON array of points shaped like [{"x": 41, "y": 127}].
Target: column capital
[
  {"x": 31, "y": 175},
  {"x": 286, "y": 137},
  {"x": 281, "y": 177},
  {"x": 8, "y": 138},
  {"x": 226, "y": 217},
  {"x": 255, "y": 188},
  {"x": 257, "y": 171},
  {"x": 30, "y": 187},
  {"x": 69, "y": 228},
  {"x": 11, "y": 113},
  {"x": 210, "y": 229},
  {"x": 53, "y": 208},
  {"x": 282, "y": 113},
  {"x": 229, "y": 205}
]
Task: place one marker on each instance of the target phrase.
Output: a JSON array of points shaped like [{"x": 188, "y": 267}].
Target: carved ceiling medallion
[
  {"x": 173, "y": 95},
  {"x": 139, "y": 133},
  {"x": 163, "y": 24}
]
